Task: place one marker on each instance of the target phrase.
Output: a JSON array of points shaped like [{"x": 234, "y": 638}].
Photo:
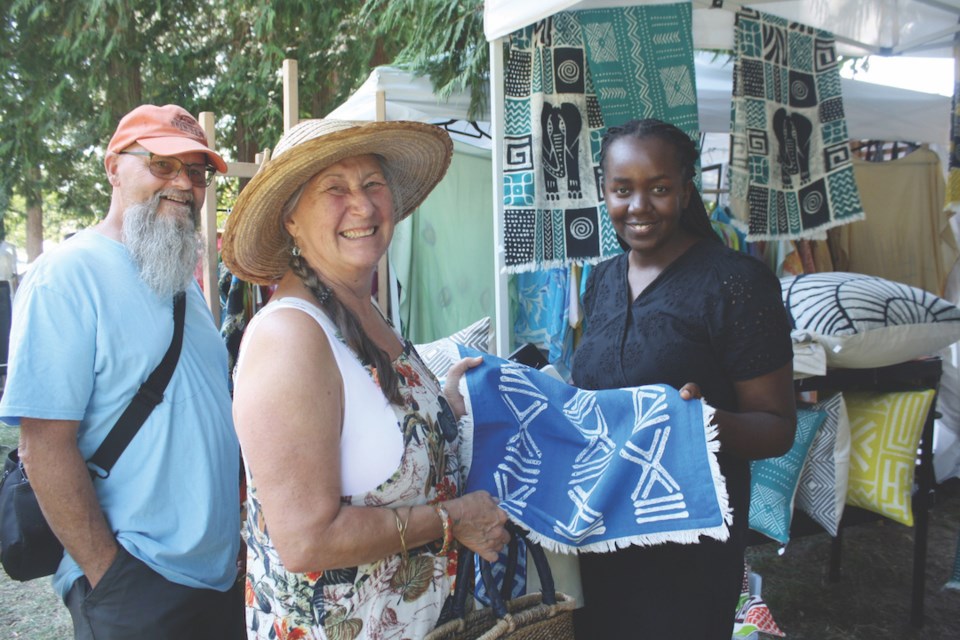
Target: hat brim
[
  {"x": 172, "y": 146},
  {"x": 255, "y": 244}
]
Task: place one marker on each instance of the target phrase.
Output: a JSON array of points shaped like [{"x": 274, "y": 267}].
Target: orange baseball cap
[{"x": 168, "y": 131}]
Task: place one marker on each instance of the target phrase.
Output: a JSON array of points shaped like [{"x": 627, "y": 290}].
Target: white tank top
[{"x": 367, "y": 415}]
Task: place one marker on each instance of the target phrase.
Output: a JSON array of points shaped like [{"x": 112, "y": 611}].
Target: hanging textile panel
[
  {"x": 594, "y": 470},
  {"x": 953, "y": 179},
  {"x": 552, "y": 130},
  {"x": 791, "y": 175},
  {"x": 641, "y": 63}
]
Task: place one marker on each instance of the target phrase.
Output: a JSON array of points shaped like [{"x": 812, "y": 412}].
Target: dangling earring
[{"x": 295, "y": 250}]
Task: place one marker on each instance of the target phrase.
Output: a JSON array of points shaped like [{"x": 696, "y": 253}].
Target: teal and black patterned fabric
[
  {"x": 791, "y": 174},
  {"x": 567, "y": 78},
  {"x": 641, "y": 62},
  {"x": 552, "y": 131}
]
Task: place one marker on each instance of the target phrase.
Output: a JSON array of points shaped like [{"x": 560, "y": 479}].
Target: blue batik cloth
[{"x": 594, "y": 470}]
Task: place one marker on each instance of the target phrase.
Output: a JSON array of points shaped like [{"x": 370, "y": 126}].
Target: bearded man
[{"x": 151, "y": 548}]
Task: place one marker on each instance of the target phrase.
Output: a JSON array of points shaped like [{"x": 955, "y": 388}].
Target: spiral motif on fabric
[
  {"x": 568, "y": 71},
  {"x": 799, "y": 90},
  {"x": 812, "y": 202},
  {"x": 581, "y": 228}
]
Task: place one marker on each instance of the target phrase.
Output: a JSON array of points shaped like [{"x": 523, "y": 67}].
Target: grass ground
[
  {"x": 871, "y": 601},
  {"x": 29, "y": 609}
]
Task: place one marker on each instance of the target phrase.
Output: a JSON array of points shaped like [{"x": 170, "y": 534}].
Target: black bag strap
[
  {"x": 465, "y": 571},
  {"x": 148, "y": 396}
]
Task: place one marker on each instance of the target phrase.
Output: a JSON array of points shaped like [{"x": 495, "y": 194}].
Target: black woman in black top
[{"x": 678, "y": 307}]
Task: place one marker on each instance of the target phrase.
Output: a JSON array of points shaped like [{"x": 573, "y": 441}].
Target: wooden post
[
  {"x": 383, "y": 269},
  {"x": 291, "y": 95},
  {"x": 208, "y": 227}
]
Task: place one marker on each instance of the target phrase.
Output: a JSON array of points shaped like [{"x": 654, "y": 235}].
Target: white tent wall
[{"x": 861, "y": 27}]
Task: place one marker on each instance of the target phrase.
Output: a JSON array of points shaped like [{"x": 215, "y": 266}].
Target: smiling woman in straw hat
[{"x": 351, "y": 447}]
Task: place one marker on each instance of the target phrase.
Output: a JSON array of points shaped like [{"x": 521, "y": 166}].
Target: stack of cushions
[
  {"x": 886, "y": 429},
  {"x": 773, "y": 483},
  {"x": 865, "y": 321},
  {"x": 442, "y": 354},
  {"x": 822, "y": 490}
]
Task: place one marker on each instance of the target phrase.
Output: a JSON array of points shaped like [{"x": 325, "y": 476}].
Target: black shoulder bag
[{"x": 28, "y": 547}]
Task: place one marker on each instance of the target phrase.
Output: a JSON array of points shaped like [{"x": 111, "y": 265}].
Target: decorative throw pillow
[
  {"x": 773, "y": 482},
  {"x": 822, "y": 490},
  {"x": 441, "y": 354},
  {"x": 885, "y": 432},
  {"x": 865, "y": 321}
]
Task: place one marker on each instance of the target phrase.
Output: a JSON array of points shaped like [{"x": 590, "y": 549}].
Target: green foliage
[
  {"x": 444, "y": 40},
  {"x": 70, "y": 70}
]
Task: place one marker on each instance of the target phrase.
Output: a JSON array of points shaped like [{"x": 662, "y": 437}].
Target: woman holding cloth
[
  {"x": 678, "y": 307},
  {"x": 351, "y": 447}
]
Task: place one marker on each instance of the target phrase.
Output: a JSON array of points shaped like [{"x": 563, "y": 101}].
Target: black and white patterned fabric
[
  {"x": 441, "y": 354},
  {"x": 865, "y": 321}
]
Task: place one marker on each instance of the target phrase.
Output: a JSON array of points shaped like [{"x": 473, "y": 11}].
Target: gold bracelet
[
  {"x": 402, "y": 529},
  {"x": 447, "y": 523}
]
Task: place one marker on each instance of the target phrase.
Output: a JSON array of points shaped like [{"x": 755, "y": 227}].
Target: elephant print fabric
[
  {"x": 552, "y": 208},
  {"x": 568, "y": 78},
  {"x": 791, "y": 174}
]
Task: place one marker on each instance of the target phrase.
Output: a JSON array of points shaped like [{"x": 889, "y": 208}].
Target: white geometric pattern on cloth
[
  {"x": 886, "y": 429},
  {"x": 773, "y": 481},
  {"x": 822, "y": 490},
  {"x": 626, "y": 466}
]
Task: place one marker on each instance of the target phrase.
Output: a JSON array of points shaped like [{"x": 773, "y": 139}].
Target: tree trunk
[
  {"x": 34, "y": 203},
  {"x": 34, "y": 231}
]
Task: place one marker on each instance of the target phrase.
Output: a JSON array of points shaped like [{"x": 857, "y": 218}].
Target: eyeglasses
[{"x": 168, "y": 168}]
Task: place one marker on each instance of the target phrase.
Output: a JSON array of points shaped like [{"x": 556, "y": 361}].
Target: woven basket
[
  {"x": 528, "y": 619},
  {"x": 535, "y": 616}
]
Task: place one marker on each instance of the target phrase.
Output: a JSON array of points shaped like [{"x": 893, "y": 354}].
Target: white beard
[{"x": 164, "y": 248}]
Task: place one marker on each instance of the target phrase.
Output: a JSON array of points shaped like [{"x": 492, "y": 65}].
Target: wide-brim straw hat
[{"x": 256, "y": 247}]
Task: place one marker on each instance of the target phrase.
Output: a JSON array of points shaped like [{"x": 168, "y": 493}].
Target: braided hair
[
  {"x": 694, "y": 219},
  {"x": 345, "y": 320}
]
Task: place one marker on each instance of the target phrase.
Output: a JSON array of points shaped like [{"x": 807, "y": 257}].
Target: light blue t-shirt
[{"x": 86, "y": 333}]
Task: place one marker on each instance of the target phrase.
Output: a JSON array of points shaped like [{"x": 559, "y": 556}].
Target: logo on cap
[{"x": 189, "y": 126}]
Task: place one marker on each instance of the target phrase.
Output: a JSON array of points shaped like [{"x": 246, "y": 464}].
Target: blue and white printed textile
[{"x": 594, "y": 470}]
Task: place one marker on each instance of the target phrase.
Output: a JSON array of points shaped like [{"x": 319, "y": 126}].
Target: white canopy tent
[
  {"x": 861, "y": 27},
  {"x": 874, "y": 112}
]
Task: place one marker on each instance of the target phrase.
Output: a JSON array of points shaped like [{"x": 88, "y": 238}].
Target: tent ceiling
[
  {"x": 861, "y": 27},
  {"x": 874, "y": 112}
]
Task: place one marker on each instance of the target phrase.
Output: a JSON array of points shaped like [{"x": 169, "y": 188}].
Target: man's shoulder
[{"x": 82, "y": 255}]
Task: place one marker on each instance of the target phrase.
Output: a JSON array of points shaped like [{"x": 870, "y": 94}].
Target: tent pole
[
  {"x": 208, "y": 226},
  {"x": 291, "y": 95},
  {"x": 500, "y": 281}
]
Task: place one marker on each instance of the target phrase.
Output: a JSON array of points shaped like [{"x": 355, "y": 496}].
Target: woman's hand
[
  {"x": 451, "y": 386},
  {"x": 478, "y": 524},
  {"x": 690, "y": 391}
]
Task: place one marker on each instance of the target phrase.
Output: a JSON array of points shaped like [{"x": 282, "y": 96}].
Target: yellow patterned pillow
[{"x": 885, "y": 433}]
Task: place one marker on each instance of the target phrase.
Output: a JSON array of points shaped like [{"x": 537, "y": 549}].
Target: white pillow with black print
[
  {"x": 865, "y": 321},
  {"x": 442, "y": 354}
]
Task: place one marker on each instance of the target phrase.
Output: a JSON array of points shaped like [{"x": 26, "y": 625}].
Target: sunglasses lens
[{"x": 164, "y": 168}]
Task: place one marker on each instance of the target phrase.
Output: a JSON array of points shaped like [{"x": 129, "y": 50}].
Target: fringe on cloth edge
[
  {"x": 811, "y": 234},
  {"x": 720, "y": 532},
  {"x": 529, "y": 267}
]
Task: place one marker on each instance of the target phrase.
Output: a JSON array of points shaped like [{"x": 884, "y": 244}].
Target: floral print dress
[{"x": 382, "y": 600}]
